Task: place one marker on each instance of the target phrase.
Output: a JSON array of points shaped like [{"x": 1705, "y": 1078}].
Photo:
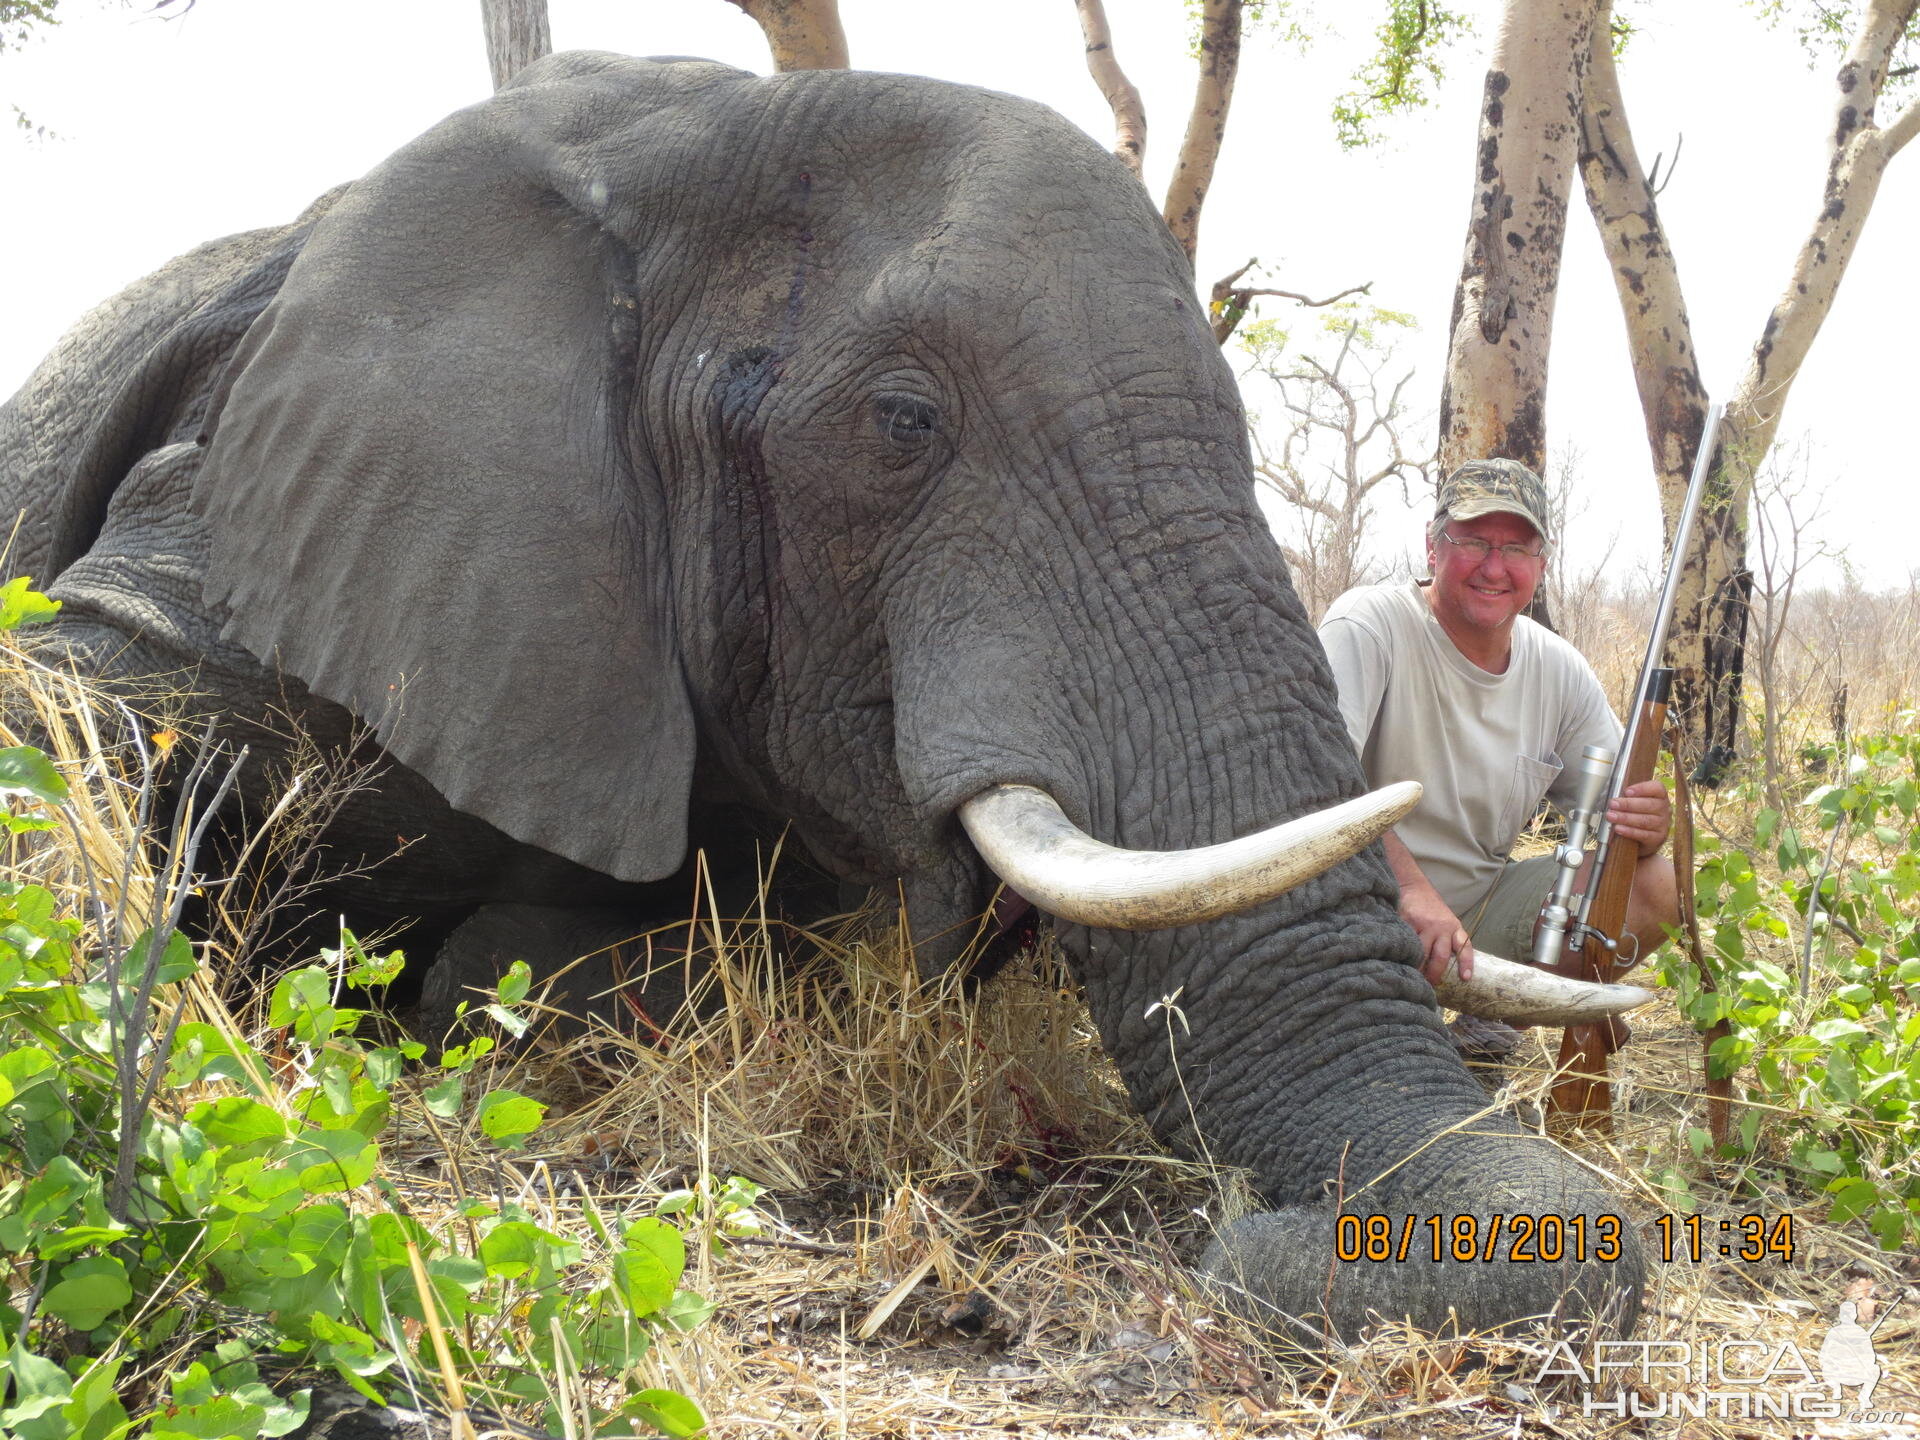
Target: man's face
[{"x": 1484, "y": 596}]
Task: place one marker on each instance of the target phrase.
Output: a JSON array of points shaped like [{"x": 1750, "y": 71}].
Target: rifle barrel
[{"x": 1669, "y": 592}]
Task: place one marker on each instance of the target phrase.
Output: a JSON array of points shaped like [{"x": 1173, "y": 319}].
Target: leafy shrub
[
  {"x": 1814, "y": 965},
  {"x": 177, "y": 1200}
]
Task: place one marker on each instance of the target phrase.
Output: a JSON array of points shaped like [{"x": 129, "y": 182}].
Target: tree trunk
[
  {"x": 1707, "y": 641},
  {"x": 1710, "y": 618},
  {"x": 1666, "y": 370},
  {"x": 1494, "y": 398},
  {"x": 516, "y": 36},
  {"x": 803, "y": 34},
  {"x": 1123, "y": 96},
  {"x": 1207, "y": 125},
  {"x": 1646, "y": 277}
]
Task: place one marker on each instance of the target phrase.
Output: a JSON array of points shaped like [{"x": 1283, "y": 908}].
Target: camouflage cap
[{"x": 1495, "y": 487}]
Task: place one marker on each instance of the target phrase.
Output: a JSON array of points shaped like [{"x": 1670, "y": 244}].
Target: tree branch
[
  {"x": 1308, "y": 301},
  {"x": 1228, "y": 301},
  {"x": 1864, "y": 71},
  {"x": 1123, "y": 97},
  {"x": 1656, "y": 182},
  {"x": 802, "y": 34},
  {"x": 1860, "y": 154},
  {"x": 1339, "y": 445},
  {"x": 1903, "y": 129},
  {"x": 1645, "y": 275},
  {"x": 1207, "y": 125}
]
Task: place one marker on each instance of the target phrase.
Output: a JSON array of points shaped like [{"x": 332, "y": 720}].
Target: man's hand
[
  {"x": 1443, "y": 939},
  {"x": 1643, "y": 814}
]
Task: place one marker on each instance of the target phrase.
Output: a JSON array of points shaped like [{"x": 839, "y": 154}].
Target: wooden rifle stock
[{"x": 1583, "y": 1089}]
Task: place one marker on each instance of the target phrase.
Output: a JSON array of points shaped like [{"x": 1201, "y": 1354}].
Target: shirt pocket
[{"x": 1531, "y": 780}]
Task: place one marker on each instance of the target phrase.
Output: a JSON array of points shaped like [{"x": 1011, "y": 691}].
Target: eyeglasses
[{"x": 1477, "y": 549}]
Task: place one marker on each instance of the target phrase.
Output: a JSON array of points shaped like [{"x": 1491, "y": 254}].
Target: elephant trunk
[
  {"x": 1297, "y": 1039},
  {"x": 1332, "y": 1080},
  {"x": 1498, "y": 1236}
]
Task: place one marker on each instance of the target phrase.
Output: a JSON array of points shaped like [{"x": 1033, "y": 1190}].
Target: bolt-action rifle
[{"x": 1585, "y": 935}]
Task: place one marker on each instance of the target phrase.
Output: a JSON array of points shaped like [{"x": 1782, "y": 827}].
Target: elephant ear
[{"x": 420, "y": 485}]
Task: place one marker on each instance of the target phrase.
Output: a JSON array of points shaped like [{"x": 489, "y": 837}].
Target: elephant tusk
[
  {"x": 1522, "y": 995},
  {"x": 1025, "y": 836}
]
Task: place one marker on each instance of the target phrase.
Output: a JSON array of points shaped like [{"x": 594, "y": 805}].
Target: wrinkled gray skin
[{"x": 698, "y": 451}]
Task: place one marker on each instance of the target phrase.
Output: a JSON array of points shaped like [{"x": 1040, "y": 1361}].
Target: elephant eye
[{"x": 905, "y": 422}]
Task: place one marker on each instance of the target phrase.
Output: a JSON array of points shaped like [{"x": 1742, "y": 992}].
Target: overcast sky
[{"x": 168, "y": 132}]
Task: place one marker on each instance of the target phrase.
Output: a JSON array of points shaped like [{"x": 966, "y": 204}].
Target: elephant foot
[
  {"x": 592, "y": 970},
  {"x": 1284, "y": 1270}
]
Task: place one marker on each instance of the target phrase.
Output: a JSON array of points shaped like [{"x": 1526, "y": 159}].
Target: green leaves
[
  {"x": 63, "y": 1193},
  {"x": 41, "y": 1393},
  {"x": 360, "y": 969},
  {"x": 1854, "y": 1198},
  {"x": 253, "y": 1173},
  {"x": 1411, "y": 44},
  {"x": 668, "y": 1412},
  {"x": 88, "y": 1291},
  {"x": 303, "y": 1000},
  {"x": 238, "y": 1123},
  {"x": 172, "y": 964},
  {"x": 507, "y": 1118},
  {"x": 25, "y": 771},
  {"x": 646, "y": 1271},
  {"x": 232, "y": 1405},
  {"x": 21, "y": 604},
  {"x": 1815, "y": 969},
  {"x": 332, "y": 1160},
  {"x": 517, "y": 1250}
]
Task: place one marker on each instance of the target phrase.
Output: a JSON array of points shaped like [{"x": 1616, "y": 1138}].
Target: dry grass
[
  {"x": 970, "y": 1228},
  {"x": 975, "y": 1233}
]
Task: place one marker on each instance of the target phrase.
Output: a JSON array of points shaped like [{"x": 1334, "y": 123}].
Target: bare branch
[
  {"x": 802, "y": 34},
  {"x": 1656, "y": 182},
  {"x": 1863, "y": 73},
  {"x": 1123, "y": 97},
  {"x": 1308, "y": 301},
  {"x": 1710, "y": 634},
  {"x": 1207, "y": 125},
  {"x": 1341, "y": 443},
  {"x": 1228, "y": 301},
  {"x": 1225, "y": 283}
]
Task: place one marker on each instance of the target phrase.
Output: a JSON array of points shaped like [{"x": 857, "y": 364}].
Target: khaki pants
[{"x": 1503, "y": 923}]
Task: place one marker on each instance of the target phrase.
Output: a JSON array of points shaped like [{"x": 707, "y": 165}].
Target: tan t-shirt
[{"x": 1486, "y": 747}]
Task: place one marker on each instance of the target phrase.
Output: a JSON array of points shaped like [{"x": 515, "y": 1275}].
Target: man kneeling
[{"x": 1446, "y": 681}]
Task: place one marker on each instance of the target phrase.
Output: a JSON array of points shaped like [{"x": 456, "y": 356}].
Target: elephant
[{"x": 655, "y": 455}]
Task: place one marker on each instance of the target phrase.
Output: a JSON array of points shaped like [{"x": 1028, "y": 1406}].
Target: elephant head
[{"x": 854, "y": 445}]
